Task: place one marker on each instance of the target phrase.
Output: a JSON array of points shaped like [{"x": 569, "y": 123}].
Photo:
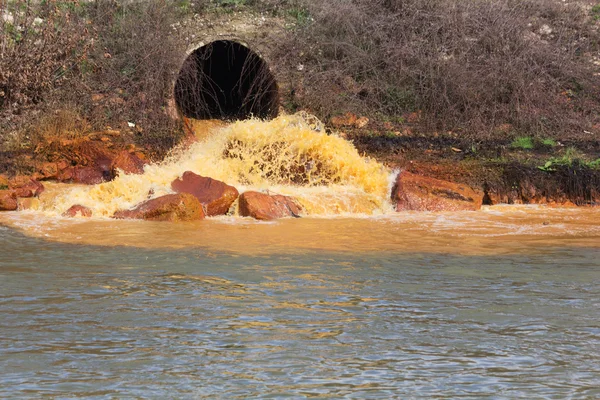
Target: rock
[
  {"x": 345, "y": 120},
  {"x": 76, "y": 210},
  {"x": 349, "y": 120},
  {"x": 216, "y": 196},
  {"x": 420, "y": 193},
  {"x": 25, "y": 186},
  {"x": 128, "y": 163},
  {"x": 267, "y": 207},
  {"x": 62, "y": 165},
  {"x": 171, "y": 207},
  {"x": 66, "y": 175},
  {"x": 8, "y": 200},
  {"x": 47, "y": 170},
  {"x": 3, "y": 182},
  {"x": 28, "y": 203},
  {"x": 84, "y": 175},
  {"x": 361, "y": 122}
]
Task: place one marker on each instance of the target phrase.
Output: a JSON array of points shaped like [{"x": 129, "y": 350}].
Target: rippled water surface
[{"x": 79, "y": 320}]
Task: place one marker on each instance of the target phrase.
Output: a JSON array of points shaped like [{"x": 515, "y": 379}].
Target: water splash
[{"x": 290, "y": 155}]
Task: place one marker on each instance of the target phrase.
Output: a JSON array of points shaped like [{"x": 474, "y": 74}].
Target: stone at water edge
[
  {"x": 420, "y": 193},
  {"x": 24, "y": 186},
  {"x": 267, "y": 207},
  {"x": 216, "y": 196},
  {"x": 84, "y": 175},
  {"x": 46, "y": 171},
  {"x": 171, "y": 207},
  {"x": 76, "y": 210},
  {"x": 128, "y": 163},
  {"x": 8, "y": 200}
]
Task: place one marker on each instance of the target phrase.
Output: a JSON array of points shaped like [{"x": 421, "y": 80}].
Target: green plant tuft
[
  {"x": 548, "y": 142},
  {"x": 571, "y": 157},
  {"x": 595, "y": 12},
  {"x": 523, "y": 142}
]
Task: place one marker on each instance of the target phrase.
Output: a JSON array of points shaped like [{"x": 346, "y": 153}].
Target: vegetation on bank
[{"x": 520, "y": 74}]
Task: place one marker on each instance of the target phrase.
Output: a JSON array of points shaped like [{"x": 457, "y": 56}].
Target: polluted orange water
[
  {"x": 287, "y": 155},
  {"x": 350, "y": 301},
  {"x": 345, "y": 198}
]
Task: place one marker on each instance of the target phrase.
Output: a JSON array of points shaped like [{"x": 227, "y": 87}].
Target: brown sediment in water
[
  {"x": 345, "y": 196},
  {"x": 495, "y": 230}
]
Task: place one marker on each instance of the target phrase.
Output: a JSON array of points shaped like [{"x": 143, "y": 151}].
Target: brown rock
[
  {"x": 25, "y": 186},
  {"x": 128, "y": 163},
  {"x": 62, "y": 165},
  {"x": 8, "y": 200},
  {"x": 141, "y": 156},
  {"x": 80, "y": 152},
  {"x": 84, "y": 175},
  {"x": 347, "y": 119},
  {"x": 420, "y": 193},
  {"x": 77, "y": 209},
  {"x": 266, "y": 207},
  {"x": 66, "y": 174},
  {"x": 47, "y": 170},
  {"x": 216, "y": 196},
  {"x": 361, "y": 122},
  {"x": 3, "y": 182},
  {"x": 172, "y": 207},
  {"x": 28, "y": 203}
]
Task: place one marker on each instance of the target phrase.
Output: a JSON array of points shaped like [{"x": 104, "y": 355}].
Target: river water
[
  {"x": 351, "y": 301},
  {"x": 502, "y": 303}
]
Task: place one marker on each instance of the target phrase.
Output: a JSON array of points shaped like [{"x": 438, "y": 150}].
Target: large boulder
[
  {"x": 420, "y": 193},
  {"x": 78, "y": 210},
  {"x": 267, "y": 207},
  {"x": 8, "y": 200},
  {"x": 171, "y": 207},
  {"x": 216, "y": 196},
  {"x": 24, "y": 186}
]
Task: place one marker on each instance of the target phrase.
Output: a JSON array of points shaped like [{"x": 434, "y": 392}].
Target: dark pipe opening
[{"x": 226, "y": 80}]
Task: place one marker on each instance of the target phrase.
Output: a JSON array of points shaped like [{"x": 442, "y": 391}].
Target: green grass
[
  {"x": 548, "y": 142},
  {"x": 570, "y": 157},
  {"x": 523, "y": 142},
  {"x": 301, "y": 15},
  {"x": 595, "y": 12}
]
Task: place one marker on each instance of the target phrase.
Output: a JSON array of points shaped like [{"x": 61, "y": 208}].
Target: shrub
[
  {"x": 125, "y": 77},
  {"x": 41, "y": 44},
  {"x": 134, "y": 66},
  {"x": 470, "y": 65}
]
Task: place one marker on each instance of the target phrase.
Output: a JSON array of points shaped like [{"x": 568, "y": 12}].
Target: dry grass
[
  {"x": 116, "y": 63},
  {"x": 470, "y": 65}
]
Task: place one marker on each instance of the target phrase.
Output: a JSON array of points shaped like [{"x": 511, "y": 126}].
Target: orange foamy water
[
  {"x": 287, "y": 155},
  {"x": 344, "y": 195}
]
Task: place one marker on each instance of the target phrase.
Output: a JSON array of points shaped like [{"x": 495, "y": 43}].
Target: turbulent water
[
  {"x": 352, "y": 301},
  {"x": 288, "y": 155}
]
